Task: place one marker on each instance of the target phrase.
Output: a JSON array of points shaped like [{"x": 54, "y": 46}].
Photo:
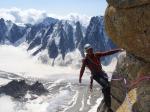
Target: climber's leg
[{"x": 107, "y": 96}]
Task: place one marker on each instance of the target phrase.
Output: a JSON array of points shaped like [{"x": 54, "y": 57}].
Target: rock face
[
  {"x": 129, "y": 26},
  {"x": 97, "y": 37},
  {"x": 3, "y": 29},
  {"x": 18, "y": 89},
  {"x": 10, "y": 32},
  {"x": 127, "y": 22},
  {"x": 127, "y": 3},
  {"x": 63, "y": 37},
  {"x": 130, "y": 68}
]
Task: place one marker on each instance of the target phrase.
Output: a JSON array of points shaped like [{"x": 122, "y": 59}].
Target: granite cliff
[{"x": 127, "y": 22}]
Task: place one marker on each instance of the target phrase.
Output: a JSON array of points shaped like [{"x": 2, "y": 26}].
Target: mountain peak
[
  {"x": 48, "y": 21},
  {"x": 2, "y": 20}
]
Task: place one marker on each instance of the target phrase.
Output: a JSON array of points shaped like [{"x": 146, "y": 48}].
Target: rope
[
  {"x": 127, "y": 86},
  {"x": 133, "y": 84},
  {"x": 138, "y": 81}
]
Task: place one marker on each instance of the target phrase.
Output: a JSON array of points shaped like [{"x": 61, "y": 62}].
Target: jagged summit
[{"x": 62, "y": 36}]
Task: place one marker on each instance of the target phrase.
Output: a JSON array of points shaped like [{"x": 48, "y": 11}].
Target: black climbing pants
[{"x": 102, "y": 79}]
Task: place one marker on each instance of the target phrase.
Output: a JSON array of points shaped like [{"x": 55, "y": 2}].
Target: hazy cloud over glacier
[
  {"x": 33, "y": 15},
  {"x": 22, "y": 16}
]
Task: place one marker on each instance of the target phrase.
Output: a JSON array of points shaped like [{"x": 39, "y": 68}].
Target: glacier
[{"x": 66, "y": 94}]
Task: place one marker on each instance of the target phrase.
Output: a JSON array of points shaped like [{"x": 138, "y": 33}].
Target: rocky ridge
[
  {"x": 53, "y": 38},
  {"x": 18, "y": 89},
  {"x": 127, "y": 23}
]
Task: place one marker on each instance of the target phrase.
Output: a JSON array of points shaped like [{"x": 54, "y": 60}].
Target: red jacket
[{"x": 93, "y": 62}]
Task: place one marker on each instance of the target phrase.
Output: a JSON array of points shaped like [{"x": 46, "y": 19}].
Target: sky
[{"x": 59, "y": 7}]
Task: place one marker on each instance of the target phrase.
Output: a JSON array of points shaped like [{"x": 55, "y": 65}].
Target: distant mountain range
[{"x": 57, "y": 37}]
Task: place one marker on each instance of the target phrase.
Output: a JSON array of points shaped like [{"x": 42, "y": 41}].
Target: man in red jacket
[{"x": 92, "y": 61}]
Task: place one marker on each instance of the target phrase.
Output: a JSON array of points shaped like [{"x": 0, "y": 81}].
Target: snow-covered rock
[{"x": 57, "y": 37}]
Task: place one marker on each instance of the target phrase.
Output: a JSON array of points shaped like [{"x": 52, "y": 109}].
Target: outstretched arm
[
  {"x": 109, "y": 52},
  {"x": 82, "y": 71}
]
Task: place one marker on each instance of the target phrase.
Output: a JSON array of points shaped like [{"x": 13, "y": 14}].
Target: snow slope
[{"x": 66, "y": 94}]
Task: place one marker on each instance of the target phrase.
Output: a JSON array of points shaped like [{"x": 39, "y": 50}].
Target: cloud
[
  {"x": 84, "y": 19},
  {"x": 33, "y": 15},
  {"x": 30, "y": 66},
  {"x": 22, "y": 16}
]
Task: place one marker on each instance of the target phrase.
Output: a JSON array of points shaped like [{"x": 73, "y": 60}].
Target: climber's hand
[{"x": 122, "y": 50}]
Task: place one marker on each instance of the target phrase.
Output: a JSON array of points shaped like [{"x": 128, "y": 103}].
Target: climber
[{"x": 92, "y": 61}]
